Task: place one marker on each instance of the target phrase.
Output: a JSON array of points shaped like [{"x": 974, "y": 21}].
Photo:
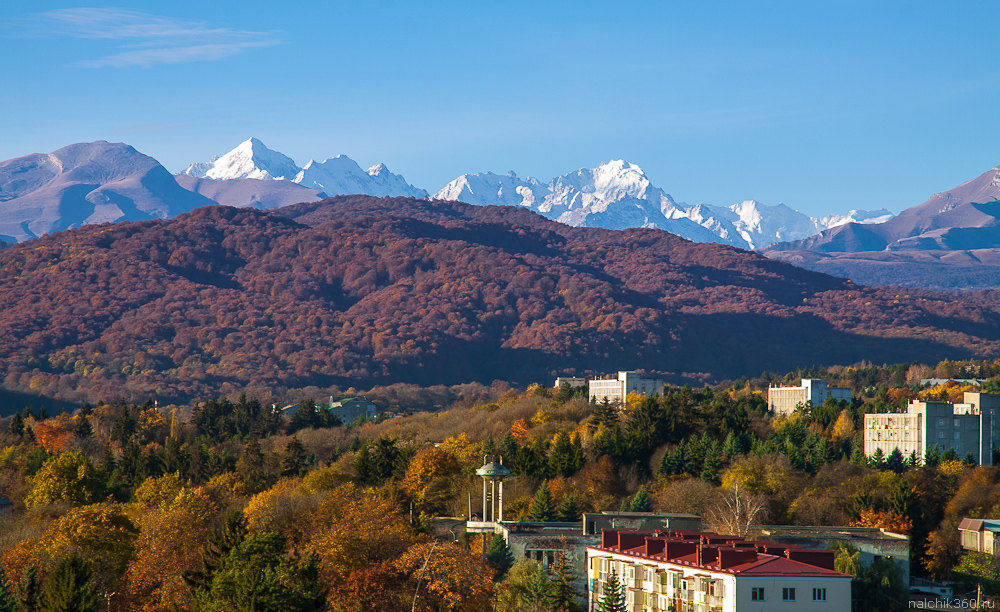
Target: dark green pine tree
[
  {"x": 28, "y": 593},
  {"x": 712, "y": 465},
  {"x": 895, "y": 461},
  {"x": 569, "y": 509},
  {"x": 732, "y": 447},
  {"x": 83, "y": 428},
  {"x": 877, "y": 459},
  {"x": 16, "y": 426},
  {"x": 561, "y": 456},
  {"x": 8, "y": 603},
  {"x": 67, "y": 588},
  {"x": 933, "y": 456},
  {"x": 605, "y": 414},
  {"x": 499, "y": 557},
  {"x": 613, "y": 599},
  {"x": 294, "y": 461},
  {"x": 542, "y": 507},
  {"x": 252, "y": 467},
  {"x": 562, "y": 596},
  {"x": 641, "y": 503},
  {"x": 213, "y": 555}
]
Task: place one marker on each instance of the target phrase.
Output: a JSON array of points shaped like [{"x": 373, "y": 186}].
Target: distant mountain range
[
  {"x": 82, "y": 189},
  {"x": 951, "y": 241},
  {"x": 617, "y": 195}
]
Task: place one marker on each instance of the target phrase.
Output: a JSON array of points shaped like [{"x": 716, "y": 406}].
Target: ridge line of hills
[
  {"x": 615, "y": 195},
  {"x": 360, "y": 290}
]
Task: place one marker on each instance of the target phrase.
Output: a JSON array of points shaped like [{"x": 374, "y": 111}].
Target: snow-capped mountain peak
[
  {"x": 618, "y": 194},
  {"x": 335, "y": 176}
]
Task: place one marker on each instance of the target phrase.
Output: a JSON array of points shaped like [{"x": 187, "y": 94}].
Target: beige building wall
[
  {"x": 618, "y": 389},
  {"x": 652, "y": 585}
]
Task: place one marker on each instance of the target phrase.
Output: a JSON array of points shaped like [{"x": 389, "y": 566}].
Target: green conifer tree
[
  {"x": 561, "y": 456},
  {"x": 294, "y": 461},
  {"x": 712, "y": 466},
  {"x": 613, "y": 599},
  {"x": 16, "y": 426},
  {"x": 562, "y": 595},
  {"x": 569, "y": 509},
  {"x": 67, "y": 588},
  {"x": 83, "y": 428},
  {"x": 214, "y": 553},
  {"x": 28, "y": 593},
  {"x": 641, "y": 502},
  {"x": 8, "y": 602},
  {"x": 542, "y": 507},
  {"x": 499, "y": 557}
]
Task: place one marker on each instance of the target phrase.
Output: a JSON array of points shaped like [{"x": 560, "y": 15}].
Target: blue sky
[{"x": 825, "y": 106}]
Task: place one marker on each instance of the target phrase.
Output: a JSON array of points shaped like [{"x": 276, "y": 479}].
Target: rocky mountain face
[
  {"x": 951, "y": 241},
  {"x": 86, "y": 183}
]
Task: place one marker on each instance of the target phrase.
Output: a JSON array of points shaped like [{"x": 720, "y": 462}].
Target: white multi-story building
[
  {"x": 706, "y": 572},
  {"x": 617, "y": 389},
  {"x": 969, "y": 427},
  {"x": 784, "y": 400}
]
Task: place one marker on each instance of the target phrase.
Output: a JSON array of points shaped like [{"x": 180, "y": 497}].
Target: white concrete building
[
  {"x": 353, "y": 408},
  {"x": 969, "y": 427},
  {"x": 706, "y": 572},
  {"x": 617, "y": 389},
  {"x": 784, "y": 400}
]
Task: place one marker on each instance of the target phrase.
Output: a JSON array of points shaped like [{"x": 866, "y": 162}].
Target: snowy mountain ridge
[
  {"x": 617, "y": 195},
  {"x": 336, "y": 176}
]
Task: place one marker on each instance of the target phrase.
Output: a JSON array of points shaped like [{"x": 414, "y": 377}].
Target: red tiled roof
[{"x": 765, "y": 565}]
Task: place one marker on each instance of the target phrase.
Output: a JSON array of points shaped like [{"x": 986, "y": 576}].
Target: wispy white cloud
[{"x": 146, "y": 40}]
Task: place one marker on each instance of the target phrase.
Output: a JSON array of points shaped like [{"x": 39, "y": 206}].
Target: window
[
  {"x": 958, "y": 435},
  {"x": 819, "y": 594},
  {"x": 757, "y": 594},
  {"x": 940, "y": 422},
  {"x": 940, "y": 435},
  {"x": 787, "y": 594},
  {"x": 956, "y": 422}
]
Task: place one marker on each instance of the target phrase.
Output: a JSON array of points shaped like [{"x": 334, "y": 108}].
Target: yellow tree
[
  {"x": 100, "y": 533},
  {"x": 354, "y": 528},
  {"x": 174, "y": 522},
  {"x": 431, "y": 471},
  {"x": 69, "y": 477},
  {"x": 450, "y": 577}
]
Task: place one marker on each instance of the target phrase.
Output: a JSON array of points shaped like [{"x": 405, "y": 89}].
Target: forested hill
[{"x": 358, "y": 290}]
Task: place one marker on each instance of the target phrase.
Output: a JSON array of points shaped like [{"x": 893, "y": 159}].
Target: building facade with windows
[
  {"x": 784, "y": 400},
  {"x": 969, "y": 427},
  {"x": 706, "y": 572},
  {"x": 617, "y": 389}
]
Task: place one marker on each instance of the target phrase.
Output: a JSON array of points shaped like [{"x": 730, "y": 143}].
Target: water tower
[{"x": 493, "y": 474}]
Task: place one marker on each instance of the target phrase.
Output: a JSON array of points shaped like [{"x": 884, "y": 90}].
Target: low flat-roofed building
[
  {"x": 572, "y": 381},
  {"x": 812, "y": 391},
  {"x": 709, "y": 572},
  {"x": 980, "y": 535},
  {"x": 594, "y": 522}
]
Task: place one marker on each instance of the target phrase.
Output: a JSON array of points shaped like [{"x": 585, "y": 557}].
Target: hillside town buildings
[
  {"x": 353, "y": 408},
  {"x": 812, "y": 392},
  {"x": 707, "y": 572},
  {"x": 627, "y": 382},
  {"x": 969, "y": 427}
]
